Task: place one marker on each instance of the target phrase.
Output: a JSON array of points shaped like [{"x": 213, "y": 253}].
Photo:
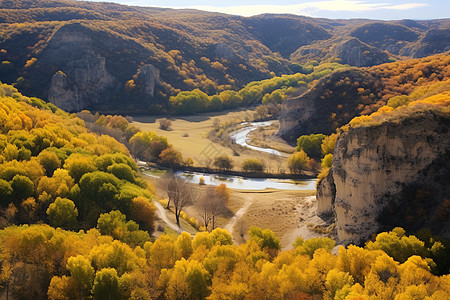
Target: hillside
[
  {"x": 94, "y": 55},
  {"x": 344, "y": 94},
  {"x": 53, "y": 170}
]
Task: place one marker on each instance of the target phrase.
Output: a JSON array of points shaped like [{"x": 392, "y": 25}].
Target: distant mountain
[{"x": 111, "y": 57}]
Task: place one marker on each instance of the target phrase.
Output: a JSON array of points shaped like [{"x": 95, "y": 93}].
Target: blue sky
[{"x": 372, "y": 9}]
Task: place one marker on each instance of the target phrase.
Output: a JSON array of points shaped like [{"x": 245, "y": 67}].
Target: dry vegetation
[{"x": 197, "y": 146}]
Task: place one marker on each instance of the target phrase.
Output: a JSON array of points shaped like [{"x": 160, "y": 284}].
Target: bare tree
[
  {"x": 213, "y": 204},
  {"x": 179, "y": 192}
]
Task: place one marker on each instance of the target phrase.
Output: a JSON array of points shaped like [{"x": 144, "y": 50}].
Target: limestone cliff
[
  {"x": 350, "y": 50},
  {"x": 379, "y": 172},
  {"x": 83, "y": 83},
  {"x": 356, "y": 53},
  {"x": 147, "y": 78}
]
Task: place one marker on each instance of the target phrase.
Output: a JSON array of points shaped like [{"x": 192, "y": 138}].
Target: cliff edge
[{"x": 393, "y": 173}]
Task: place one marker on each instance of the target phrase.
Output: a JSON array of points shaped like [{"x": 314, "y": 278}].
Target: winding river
[
  {"x": 240, "y": 137},
  {"x": 244, "y": 183}
]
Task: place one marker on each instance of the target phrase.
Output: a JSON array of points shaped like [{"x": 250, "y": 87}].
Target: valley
[
  {"x": 164, "y": 153},
  {"x": 266, "y": 203}
]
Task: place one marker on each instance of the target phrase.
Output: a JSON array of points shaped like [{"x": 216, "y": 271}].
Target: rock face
[
  {"x": 147, "y": 78},
  {"x": 225, "y": 52},
  {"x": 435, "y": 41},
  {"x": 83, "y": 84},
  {"x": 375, "y": 167},
  {"x": 356, "y": 53}
]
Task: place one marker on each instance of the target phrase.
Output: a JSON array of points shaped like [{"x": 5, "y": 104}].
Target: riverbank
[
  {"x": 189, "y": 135},
  {"x": 244, "y": 174}
]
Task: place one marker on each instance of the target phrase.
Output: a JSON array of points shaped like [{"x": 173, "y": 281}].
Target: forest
[
  {"x": 56, "y": 173},
  {"x": 106, "y": 113}
]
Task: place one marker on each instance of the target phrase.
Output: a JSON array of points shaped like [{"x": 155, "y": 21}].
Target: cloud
[{"x": 310, "y": 8}]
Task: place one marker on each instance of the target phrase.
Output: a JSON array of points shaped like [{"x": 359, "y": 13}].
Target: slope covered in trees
[
  {"x": 53, "y": 170},
  {"x": 108, "y": 52},
  {"x": 344, "y": 94},
  {"x": 69, "y": 265}
]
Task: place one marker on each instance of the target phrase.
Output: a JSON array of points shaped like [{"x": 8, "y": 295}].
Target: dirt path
[
  {"x": 238, "y": 215},
  {"x": 308, "y": 219},
  {"x": 163, "y": 216}
]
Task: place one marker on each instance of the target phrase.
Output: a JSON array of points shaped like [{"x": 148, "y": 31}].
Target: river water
[
  {"x": 240, "y": 137},
  {"x": 244, "y": 183}
]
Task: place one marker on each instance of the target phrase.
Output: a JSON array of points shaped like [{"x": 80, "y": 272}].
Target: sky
[{"x": 335, "y": 9}]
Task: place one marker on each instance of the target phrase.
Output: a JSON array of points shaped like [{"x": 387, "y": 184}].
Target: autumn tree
[
  {"x": 213, "y": 204},
  {"x": 298, "y": 162},
  {"x": 180, "y": 193},
  {"x": 171, "y": 157},
  {"x": 62, "y": 213},
  {"x": 223, "y": 162},
  {"x": 143, "y": 212},
  {"x": 106, "y": 284},
  {"x": 50, "y": 162},
  {"x": 148, "y": 146}
]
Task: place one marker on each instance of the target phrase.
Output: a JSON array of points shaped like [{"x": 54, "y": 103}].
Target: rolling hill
[{"x": 110, "y": 57}]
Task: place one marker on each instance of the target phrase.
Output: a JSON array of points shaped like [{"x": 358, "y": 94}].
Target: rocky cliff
[
  {"x": 83, "y": 84},
  {"x": 392, "y": 174}
]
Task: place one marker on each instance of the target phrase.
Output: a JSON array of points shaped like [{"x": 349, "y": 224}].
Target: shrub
[
  {"x": 165, "y": 124},
  {"x": 253, "y": 165},
  {"x": 223, "y": 162}
]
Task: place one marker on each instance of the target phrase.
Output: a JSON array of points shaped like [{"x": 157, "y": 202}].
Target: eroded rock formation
[
  {"x": 382, "y": 170},
  {"x": 83, "y": 83}
]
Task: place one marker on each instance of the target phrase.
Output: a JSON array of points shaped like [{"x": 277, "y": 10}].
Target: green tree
[
  {"x": 22, "y": 187},
  {"x": 62, "y": 213},
  {"x": 311, "y": 144},
  {"x": 5, "y": 193},
  {"x": 106, "y": 284},
  {"x": 122, "y": 171},
  {"x": 266, "y": 240}
]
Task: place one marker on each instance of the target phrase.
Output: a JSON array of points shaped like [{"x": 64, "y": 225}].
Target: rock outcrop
[
  {"x": 225, "y": 52},
  {"x": 147, "y": 78},
  {"x": 356, "y": 53},
  {"x": 375, "y": 167},
  {"x": 82, "y": 84}
]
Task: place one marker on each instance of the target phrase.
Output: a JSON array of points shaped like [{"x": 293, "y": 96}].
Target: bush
[
  {"x": 223, "y": 162},
  {"x": 165, "y": 124},
  {"x": 253, "y": 165}
]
